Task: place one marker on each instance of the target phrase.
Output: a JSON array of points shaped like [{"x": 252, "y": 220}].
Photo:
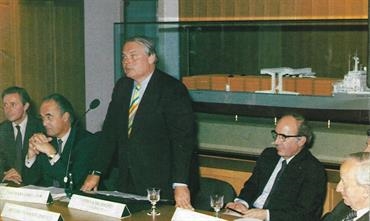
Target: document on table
[
  {"x": 56, "y": 193},
  {"x": 122, "y": 195}
]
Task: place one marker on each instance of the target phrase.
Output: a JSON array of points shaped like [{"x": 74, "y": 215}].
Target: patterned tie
[
  {"x": 135, "y": 99},
  {"x": 18, "y": 146},
  {"x": 351, "y": 215},
  {"x": 273, "y": 188}
]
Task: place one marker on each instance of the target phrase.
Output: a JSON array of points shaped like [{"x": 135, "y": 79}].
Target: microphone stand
[{"x": 68, "y": 181}]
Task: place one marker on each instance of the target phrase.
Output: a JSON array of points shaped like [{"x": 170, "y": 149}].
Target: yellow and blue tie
[{"x": 135, "y": 99}]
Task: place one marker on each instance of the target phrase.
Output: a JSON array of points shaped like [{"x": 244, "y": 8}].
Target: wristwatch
[
  {"x": 51, "y": 156},
  {"x": 95, "y": 172}
]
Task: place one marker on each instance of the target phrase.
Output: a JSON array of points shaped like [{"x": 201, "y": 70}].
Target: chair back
[{"x": 209, "y": 186}]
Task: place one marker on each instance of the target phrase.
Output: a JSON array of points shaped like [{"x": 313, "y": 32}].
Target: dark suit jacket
[
  {"x": 340, "y": 212},
  {"x": 82, "y": 151},
  {"x": 7, "y": 144},
  {"x": 161, "y": 149},
  {"x": 300, "y": 193}
]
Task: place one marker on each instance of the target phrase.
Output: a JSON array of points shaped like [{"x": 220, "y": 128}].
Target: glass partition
[{"x": 243, "y": 48}]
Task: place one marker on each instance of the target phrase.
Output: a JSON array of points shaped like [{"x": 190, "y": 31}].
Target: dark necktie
[
  {"x": 18, "y": 146},
  {"x": 351, "y": 215},
  {"x": 273, "y": 188},
  {"x": 60, "y": 143}
]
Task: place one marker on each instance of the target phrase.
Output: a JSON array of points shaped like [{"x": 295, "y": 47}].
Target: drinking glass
[
  {"x": 153, "y": 197},
  {"x": 217, "y": 202}
]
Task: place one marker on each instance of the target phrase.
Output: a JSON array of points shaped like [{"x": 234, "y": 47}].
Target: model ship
[{"x": 354, "y": 81}]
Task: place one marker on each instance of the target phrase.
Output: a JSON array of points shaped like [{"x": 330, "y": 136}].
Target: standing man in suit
[
  {"x": 354, "y": 185},
  {"x": 64, "y": 143},
  {"x": 296, "y": 193},
  {"x": 16, "y": 106},
  {"x": 151, "y": 125}
]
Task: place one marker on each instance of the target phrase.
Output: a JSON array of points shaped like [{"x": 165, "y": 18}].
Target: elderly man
[
  {"x": 354, "y": 186},
  {"x": 15, "y": 132},
  {"x": 288, "y": 182}
]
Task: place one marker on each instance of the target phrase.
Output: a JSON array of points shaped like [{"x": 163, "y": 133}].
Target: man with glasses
[
  {"x": 15, "y": 132},
  {"x": 288, "y": 182}
]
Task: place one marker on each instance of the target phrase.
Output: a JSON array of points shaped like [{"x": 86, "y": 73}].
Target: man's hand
[
  {"x": 40, "y": 143},
  {"x": 256, "y": 213},
  {"x": 182, "y": 197},
  {"x": 91, "y": 183},
  {"x": 237, "y": 206},
  {"x": 13, "y": 176}
]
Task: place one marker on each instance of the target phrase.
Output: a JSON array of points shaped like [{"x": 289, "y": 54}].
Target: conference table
[{"x": 70, "y": 214}]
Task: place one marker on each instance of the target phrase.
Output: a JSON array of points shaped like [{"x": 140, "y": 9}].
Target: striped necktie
[
  {"x": 135, "y": 99},
  {"x": 351, "y": 216}
]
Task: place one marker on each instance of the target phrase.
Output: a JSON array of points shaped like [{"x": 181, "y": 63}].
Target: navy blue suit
[
  {"x": 301, "y": 190},
  {"x": 161, "y": 149},
  {"x": 8, "y": 150}
]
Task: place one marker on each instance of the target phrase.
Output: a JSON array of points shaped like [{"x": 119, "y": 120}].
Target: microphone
[{"x": 68, "y": 176}]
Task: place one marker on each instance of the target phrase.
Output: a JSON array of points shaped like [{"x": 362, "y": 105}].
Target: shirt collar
[
  {"x": 361, "y": 212},
  {"x": 65, "y": 137},
  {"x": 22, "y": 124}
]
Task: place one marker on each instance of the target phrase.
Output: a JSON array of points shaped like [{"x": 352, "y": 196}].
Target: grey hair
[
  {"x": 148, "y": 44},
  {"x": 363, "y": 169}
]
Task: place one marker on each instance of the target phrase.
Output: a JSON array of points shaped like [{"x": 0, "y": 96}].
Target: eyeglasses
[{"x": 282, "y": 137}]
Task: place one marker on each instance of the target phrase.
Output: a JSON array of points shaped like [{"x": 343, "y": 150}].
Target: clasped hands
[
  {"x": 245, "y": 212},
  {"x": 40, "y": 143}
]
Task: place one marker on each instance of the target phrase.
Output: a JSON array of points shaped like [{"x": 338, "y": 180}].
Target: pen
[{"x": 234, "y": 210}]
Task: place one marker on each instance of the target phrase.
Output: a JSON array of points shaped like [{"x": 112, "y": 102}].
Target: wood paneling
[
  {"x": 43, "y": 43},
  {"x": 196, "y": 10}
]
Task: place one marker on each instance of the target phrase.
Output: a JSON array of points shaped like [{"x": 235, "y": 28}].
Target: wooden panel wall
[
  {"x": 44, "y": 45},
  {"x": 196, "y": 10}
]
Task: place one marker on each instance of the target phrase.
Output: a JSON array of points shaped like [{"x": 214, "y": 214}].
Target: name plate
[
  {"x": 102, "y": 207},
  {"x": 25, "y": 195},
  {"x": 17, "y": 212},
  {"x": 186, "y": 215}
]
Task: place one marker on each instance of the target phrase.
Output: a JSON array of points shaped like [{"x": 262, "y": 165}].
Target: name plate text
[
  {"x": 17, "y": 212},
  {"x": 102, "y": 207},
  {"x": 25, "y": 195}
]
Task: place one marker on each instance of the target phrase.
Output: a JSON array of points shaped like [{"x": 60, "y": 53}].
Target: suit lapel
[
  {"x": 365, "y": 217},
  {"x": 148, "y": 102}
]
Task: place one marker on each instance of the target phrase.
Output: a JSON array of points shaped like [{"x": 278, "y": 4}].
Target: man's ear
[
  {"x": 152, "y": 59},
  {"x": 302, "y": 140},
  {"x": 26, "y": 106},
  {"x": 66, "y": 116}
]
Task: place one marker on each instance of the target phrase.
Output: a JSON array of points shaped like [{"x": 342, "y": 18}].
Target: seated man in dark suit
[
  {"x": 49, "y": 155},
  {"x": 354, "y": 186},
  {"x": 295, "y": 193},
  {"x": 15, "y": 132}
]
